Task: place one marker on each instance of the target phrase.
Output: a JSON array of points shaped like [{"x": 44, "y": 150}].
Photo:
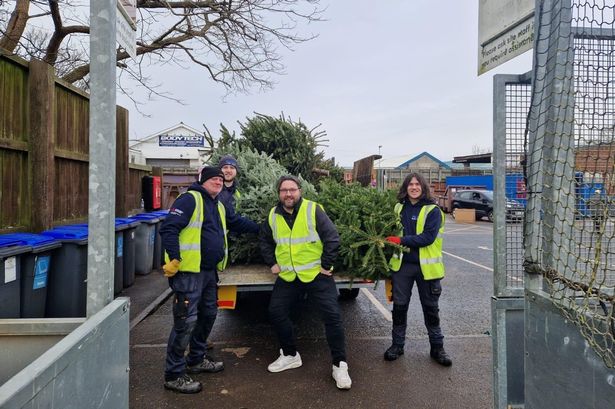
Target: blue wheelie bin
[
  {"x": 129, "y": 249},
  {"x": 145, "y": 240},
  {"x": 34, "y": 272},
  {"x": 11, "y": 251},
  {"x": 67, "y": 287}
]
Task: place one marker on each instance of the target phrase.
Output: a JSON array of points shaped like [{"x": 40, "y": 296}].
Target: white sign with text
[{"x": 505, "y": 30}]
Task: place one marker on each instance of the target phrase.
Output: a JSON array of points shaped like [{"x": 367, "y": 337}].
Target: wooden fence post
[
  {"x": 122, "y": 161},
  {"x": 41, "y": 88}
]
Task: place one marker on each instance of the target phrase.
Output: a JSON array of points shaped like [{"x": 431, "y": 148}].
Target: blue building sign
[{"x": 195, "y": 141}]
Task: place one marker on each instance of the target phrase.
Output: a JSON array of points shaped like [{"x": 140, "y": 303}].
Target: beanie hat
[
  {"x": 284, "y": 178},
  {"x": 228, "y": 160},
  {"x": 209, "y": 172}
]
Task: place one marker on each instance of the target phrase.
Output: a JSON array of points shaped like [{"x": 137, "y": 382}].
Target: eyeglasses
[{"x": 291, "y": 191}]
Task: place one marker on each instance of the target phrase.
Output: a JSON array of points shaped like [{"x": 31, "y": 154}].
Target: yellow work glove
[{"x": 171, "y": 268}]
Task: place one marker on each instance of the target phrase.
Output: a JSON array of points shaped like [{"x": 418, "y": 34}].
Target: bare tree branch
[
  {"x": 235, "y": 41},
  {"x": 16, "y": 26}
]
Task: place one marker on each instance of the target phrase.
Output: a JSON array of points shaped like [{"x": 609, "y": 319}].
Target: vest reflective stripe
[
  {"x": 302, "y": 268},
  {"x": 431, "y": 260},
  {"x": 430, "y": 257},
  {"x": 298, "y": 250},
  {"x": 397, "y": 257},
  {"x": 190, "y": 238}
]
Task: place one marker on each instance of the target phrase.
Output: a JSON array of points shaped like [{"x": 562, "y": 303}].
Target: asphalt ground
[{"x": 245, "y": 341}]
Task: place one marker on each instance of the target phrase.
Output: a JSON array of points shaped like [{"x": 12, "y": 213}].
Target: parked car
[{"x": 482, "y": 202}]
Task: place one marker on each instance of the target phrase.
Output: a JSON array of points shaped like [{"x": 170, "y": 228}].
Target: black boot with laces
[
  {"x": 394, "y": 352},
  {"x": 439, "y": 355}
]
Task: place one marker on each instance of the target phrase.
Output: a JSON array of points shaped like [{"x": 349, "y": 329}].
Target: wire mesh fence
[
  {"x": 517, "y": 104},
  {"x": 569, "y": 228}
]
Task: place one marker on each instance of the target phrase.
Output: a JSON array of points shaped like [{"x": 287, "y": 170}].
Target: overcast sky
[{"x": 397, "y": 73}]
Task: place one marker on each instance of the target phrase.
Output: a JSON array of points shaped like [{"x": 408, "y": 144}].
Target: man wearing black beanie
[
  {"x": 195, "y": 243},
  {"x": 229, "y": 167}
]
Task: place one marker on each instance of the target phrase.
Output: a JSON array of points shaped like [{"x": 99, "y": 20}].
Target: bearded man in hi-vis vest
[
  {"x": 300, "y": 243},
  {"x": 195, "y": 242},
  {"x": 422, "y": 224}
]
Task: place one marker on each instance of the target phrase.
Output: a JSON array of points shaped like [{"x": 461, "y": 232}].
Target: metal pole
[{"x": 101, "y": 206}]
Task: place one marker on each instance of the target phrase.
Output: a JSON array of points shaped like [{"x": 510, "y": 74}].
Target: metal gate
[
  {"x": 512, "y": 97},
  {"x": 569, "y": 237}
]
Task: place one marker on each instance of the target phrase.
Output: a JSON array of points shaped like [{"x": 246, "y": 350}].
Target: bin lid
[
  {"x": 161, "y": 213},
  {"x": 12, "y": 247},
  {"x": 147, "y": 218},
  {"x": 118, "y": 226},
  {"x": 68, "y": 234},
  {"x": 7, "y": 240},
  {"x": 36, "y": 241},
  {"x": 128, "y": 221}
]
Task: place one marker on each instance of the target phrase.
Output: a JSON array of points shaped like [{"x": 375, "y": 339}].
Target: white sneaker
[
  {"x": 285, "y": 362},
  {"x": 340, "y": 374}
]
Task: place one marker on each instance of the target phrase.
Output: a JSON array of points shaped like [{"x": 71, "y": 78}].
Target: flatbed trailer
[{"x": 258, "y": 277}]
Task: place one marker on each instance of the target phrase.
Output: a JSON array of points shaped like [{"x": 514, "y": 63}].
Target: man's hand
[
  {"x": 394, "y": 239},
  {"x": 326, "y": 272},
  {"x": 275, "y": 269},
  {"x": 171, "y": 268}
]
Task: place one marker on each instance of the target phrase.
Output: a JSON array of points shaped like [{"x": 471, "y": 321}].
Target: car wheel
[
  {"x": 453, "y": 212},
  {"x": 490, "y": 215}
]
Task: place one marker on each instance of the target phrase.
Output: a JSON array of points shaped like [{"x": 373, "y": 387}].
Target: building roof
[{"x": 402, "y": 161}]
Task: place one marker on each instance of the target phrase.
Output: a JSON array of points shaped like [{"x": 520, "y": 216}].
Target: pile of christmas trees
[{"x": 363, "y": 216}]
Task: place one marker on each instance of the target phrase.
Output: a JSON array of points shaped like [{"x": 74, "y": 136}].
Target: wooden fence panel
[
  {"x": 14, "y": 176},
  {"x": 15, "y": 204},
  {"x": 41, "y": 114}
]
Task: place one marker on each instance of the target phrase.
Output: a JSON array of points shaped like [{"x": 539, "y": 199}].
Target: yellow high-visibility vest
[
  {"x": 298, "y": 250},
  {"x": 430, "y": 257},
  {"x": 190, "y": 238}
]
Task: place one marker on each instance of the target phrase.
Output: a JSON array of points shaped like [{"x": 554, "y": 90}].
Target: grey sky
[{"x": 401, "y": 74}]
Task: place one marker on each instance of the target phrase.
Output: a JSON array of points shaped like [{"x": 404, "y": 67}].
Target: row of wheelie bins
[{"x": 44, "y": 275}]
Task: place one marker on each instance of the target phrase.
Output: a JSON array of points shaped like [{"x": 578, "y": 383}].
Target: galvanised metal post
[{"x": 101, "y": 206}]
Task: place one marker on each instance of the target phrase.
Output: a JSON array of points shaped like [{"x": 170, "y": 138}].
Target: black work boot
[
  {"x": 183, "y": 384},
  {"x": 439, "y": 355},
  {"x": 394, "y": 352},
  {"x": 208, "y": 365}
]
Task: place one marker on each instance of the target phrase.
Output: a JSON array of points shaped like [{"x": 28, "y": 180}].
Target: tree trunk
[{"x": 16, "y": 26}]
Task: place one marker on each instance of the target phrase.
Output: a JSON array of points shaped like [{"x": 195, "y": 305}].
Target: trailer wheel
[{"x": 348, "y": 293}]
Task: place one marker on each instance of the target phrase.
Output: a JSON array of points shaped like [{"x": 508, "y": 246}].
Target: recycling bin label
[{"x": 41, "y": 267}]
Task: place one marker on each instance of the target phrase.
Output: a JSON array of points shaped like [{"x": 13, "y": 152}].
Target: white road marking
[
  {"x": 386, "y": 313},
  {"x": 484, "y": 248},
  {"x": 468, "y": 261}
]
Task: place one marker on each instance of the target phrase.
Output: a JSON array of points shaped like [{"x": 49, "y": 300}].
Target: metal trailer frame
[
  {"x": 511, "y": 102},
  {"x": 84, "y": 363},
  {"x": 258, "y": 277}
]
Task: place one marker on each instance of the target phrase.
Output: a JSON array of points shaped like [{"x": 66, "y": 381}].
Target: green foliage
[
  {"x": 364, "y": 217},
  {"x": 291, "y": 143},
  {"x": 257, "y": 176}
]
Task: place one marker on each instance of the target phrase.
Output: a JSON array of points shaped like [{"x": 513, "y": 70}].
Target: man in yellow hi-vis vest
[
  {"x": 300, "y": 243},
  {"x": 423, "y": 226},
  {"x": 194, "y": 238}
]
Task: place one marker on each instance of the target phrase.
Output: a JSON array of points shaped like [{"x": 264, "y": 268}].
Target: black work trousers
[
  {"x": 195, "y": 306},
  {"x": 429, "y": 294},
  {"x": 322, "y": 292}
]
